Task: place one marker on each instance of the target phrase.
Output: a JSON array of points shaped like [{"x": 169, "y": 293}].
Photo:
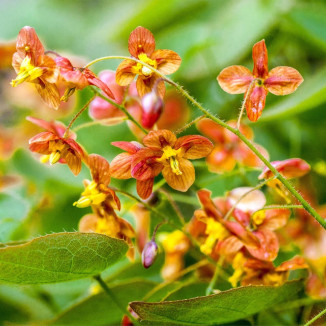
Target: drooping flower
[
  {"x": 103, "y": 201},
  {"x": 32, "y": 65},
  {"x": 163, "y": 152},
  {"x": 55, "y": 147},
  {"x": 229, "y": 150},
  {"x": 141, "y": 46},
  {"x": 279, "y": 81},
  {"x": 79, "y": 78},
  {"x": 97, "y": 192},
  {"x": 291, "y": 168}
]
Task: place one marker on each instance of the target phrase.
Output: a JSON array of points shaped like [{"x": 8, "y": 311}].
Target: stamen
[
  {"x": 175, "y": 165},
  {"x": 54, "y": 157}
]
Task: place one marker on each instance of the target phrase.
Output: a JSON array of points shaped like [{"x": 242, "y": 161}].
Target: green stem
[
  {"x": 244, "y": 102},
  {"x": 123, "y": 109},
  {"x": 112, "y": 295},
  {"x": 280, "y": 207},
  {"x": 235, "y": 131},
  {"x": 315, "y": 318},
  {"x": 213, "y": 281},
  {"x": 179, "y": 131},
  {"x": 77, "y": 115}
]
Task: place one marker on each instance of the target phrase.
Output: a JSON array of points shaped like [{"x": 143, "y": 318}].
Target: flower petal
[
  {"x": 120, "y": 167},
  {"x": 283, "y": 80},
  {"x": 268, "y": 248},
  {"x": 221, "y": 160},
  {"x": 158, "y": 139},
  {"x": 51, "y": 71},
  {"x": 145, "y": 187},
  {"x": 230, "y": 246},
  {"x": 141, "y": 40},
  {"x": 29, "y": 44},
  {"x": 94, "y": 80},
  {"x": 130, "y": 147},
  {"x": 260, "y": 57},
  {"x": 100, "y": 169},
  {"x": 294, "y": 263},
  {"x": 256, "y": 103},
  {"x": 180, "y": 182},
  {"x": 50, "y": 94},
  {"x": 168, "y": 61},
  {"x": 212, "y": 130},
  {"x": 194, "y": 146},
  {"x": 235, "y": 79},
  {"x": 146, "y": 85},
  {"x": 73, "y": 161},
  {"x": 275, "y": 218},
  {"x": 210, "y": 207},
  {"x": 144, "y": 164},
  {"x": 124, "y": 75}
]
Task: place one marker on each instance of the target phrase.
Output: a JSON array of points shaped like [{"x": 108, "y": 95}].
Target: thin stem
[
  {"x": 112, "y": 295},
  {"x": 315, "y": 318},
  {"x": 228, "y": 214},
  {"x": 179, "y": 131},
  {"x": 159, "y": 184},
  {"x": 280, "y": 207},
  {"x": 174, "y": 205},
  {"x": 213, "y": 281},
  {"x": 244, "y": 102},
  {"x": 77, "y": 115},
  {"x": 99, "y": 122},
  {"x": 123, "y": 109}
]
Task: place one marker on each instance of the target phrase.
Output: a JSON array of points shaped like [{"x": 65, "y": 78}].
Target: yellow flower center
[
  {"x": 140, "y": 69},
  {"x": 175, "y": 242},
  {"x": 238, "y": 266},
  {"x": 170, "y": 156},
  {"x": 27, "y": 72},
  {"x": 258, "y": 217},
  {"x": 215, "y": 231},
  {"x": 90, "y": 196}
]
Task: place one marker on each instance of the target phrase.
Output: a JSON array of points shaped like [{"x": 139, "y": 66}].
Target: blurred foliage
[{"x": 209, "y": 35}]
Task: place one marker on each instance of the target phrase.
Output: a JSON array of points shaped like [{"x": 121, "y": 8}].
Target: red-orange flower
[
  {"x": 141, "y": 46},
  {"x": 79, "y": 78},
  {"x": 279, "y": 81},
  {"x": 229, "y": 150},
  {"x": 163, "y": 152},
  {"x": 32, "y": 65},
  {"x": 55, "y": 147}
]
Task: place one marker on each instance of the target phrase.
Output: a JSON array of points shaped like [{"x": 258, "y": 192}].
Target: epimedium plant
[{"x": 234, "y": 242}]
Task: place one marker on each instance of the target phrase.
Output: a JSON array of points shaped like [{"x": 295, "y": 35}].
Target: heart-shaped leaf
[
  {"x": 59, "y": 257},
  {"x": 226, "y": 306}
]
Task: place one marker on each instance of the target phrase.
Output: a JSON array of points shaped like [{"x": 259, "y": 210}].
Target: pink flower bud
[
  {"x": 152, "y": 109},
  {"x": 149, "y": 254}
]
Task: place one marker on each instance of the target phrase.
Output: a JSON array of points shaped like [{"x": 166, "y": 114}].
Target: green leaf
[
  {"x": 59, "y": 257},
  {"x": 308, "y": 96},
  {"x": 100, "y": 309},
  {"x": 219, "y": 308}
]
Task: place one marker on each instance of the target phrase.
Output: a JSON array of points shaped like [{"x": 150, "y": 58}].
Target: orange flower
[
  {"x": 7, "y": 50},
  {"x": 103, "y": 201},
  {"x": 249, "y": 229},
  {"x": 55, "y": 147},
  {"x": 97, "y": 192},
  {"x": 141, "y": 46},
  {"x": 32, "y": 65},
  {"x": 279, "y": 81},
  {"x": 163, "y": 152},
  {"x": 228, "y": 148},
  {"x": 79, "y": 78}
]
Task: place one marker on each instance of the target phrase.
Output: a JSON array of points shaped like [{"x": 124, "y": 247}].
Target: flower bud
[
  {"x": 152, "y": 109},
  {"x": 149, "y": 254}
]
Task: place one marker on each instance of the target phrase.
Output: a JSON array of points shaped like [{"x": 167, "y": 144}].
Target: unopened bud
[
  {"x": 149, "y": 254},
  {"x": 152, "y": 109}
]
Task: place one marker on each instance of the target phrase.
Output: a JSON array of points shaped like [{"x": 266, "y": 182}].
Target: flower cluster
[{"x": 238, "y": 230}]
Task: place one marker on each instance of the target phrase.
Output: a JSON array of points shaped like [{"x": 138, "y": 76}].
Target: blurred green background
[{"x": 209, "y": 35}]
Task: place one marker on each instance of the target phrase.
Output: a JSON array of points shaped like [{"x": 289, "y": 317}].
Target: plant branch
[
  {"x": 99, "y": 122},
  {"x": 315, "y": 318}
]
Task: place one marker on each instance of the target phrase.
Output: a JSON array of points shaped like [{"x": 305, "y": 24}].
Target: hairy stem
[
  {"x": 311, "y": 321},
  {"x": 213, "y": 281},
  {"x": 99, "y": 122},
  {"x": 235, "y": 131}
]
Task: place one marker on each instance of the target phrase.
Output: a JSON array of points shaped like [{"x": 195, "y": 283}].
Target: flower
[
  {"x": 141, "y": 46},
  {"x": 291, "y": 168},
  {"x": 251, "y": 228},
  {"x": 229, "y": 150},
  {"x": 79, "y": 78},
  {"x": 7, "y": 50},
  {"x": 279, "y": 81},
  {"x": 55, "y": 147},
  {"x": 97, "y": 193},
  {"x": 32, "y": 65},
  {"x": 162, "y": 152}
]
